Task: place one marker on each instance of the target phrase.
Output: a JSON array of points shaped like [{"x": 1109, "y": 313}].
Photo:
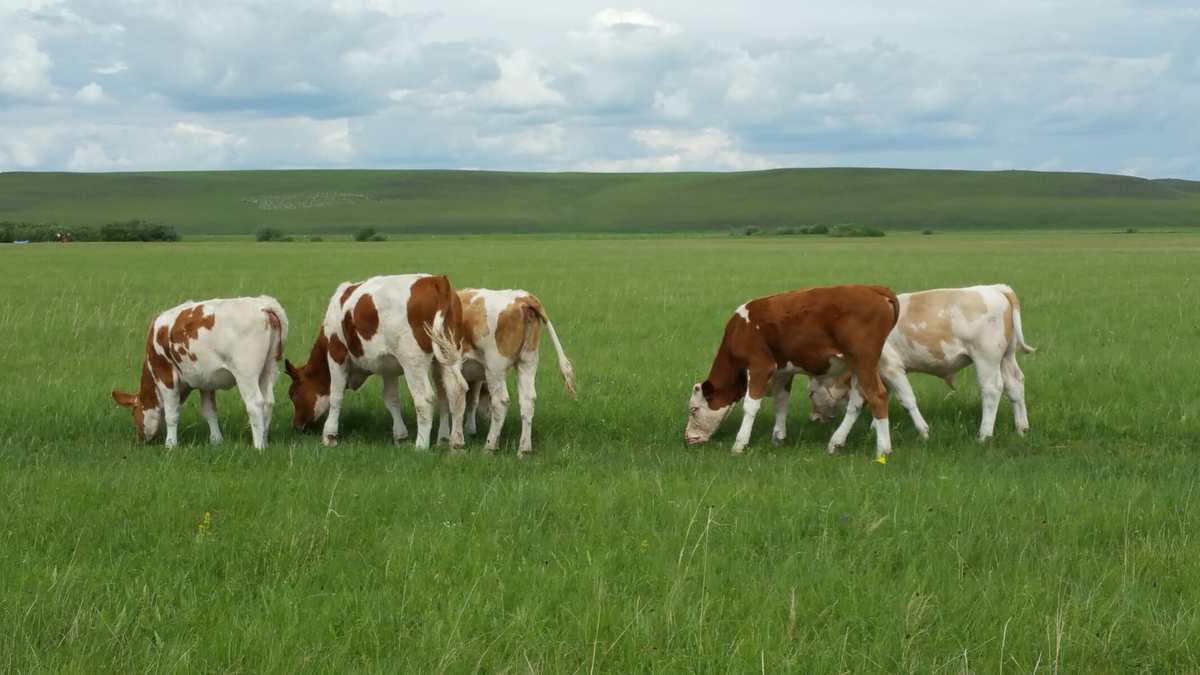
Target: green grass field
[
  {"x": 238, "y": 202},
  {"x": 613, "y": 549}
]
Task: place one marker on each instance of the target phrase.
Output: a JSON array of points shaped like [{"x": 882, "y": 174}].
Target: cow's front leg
[
  {"x": 780, "y": 393},
  {"x": 756, "y": 387},
  {"x": 170, "y": 405},
  {"x": 897, "y": 382},
  {"x": 337, "y": 392},
  {"x": 391, "y": 401},
  {"x": 853, "y": 407},
  {"x": 208, "y": 408}
]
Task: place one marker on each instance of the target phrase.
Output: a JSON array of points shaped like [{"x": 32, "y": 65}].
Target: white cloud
[
  {"x": 92, "y": 94},
  {"x": 92, "y": 156},
  {"x": 522, "y": 84},
  {"x": 111, "y": 69},
  {"x": 24, "y": 67},
  {"x": 676, "y": 150}
]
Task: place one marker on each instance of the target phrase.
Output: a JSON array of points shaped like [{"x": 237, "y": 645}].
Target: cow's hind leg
[
  {"x": 208, "y": 408},
  {"x": 498, "y": 395},
  {"x": 391, "y": 401},
  {"x": 252, "y": 398},
  {"x": 780, "y": 393},
  {"x": 526, "y": 395},
  {"x": 416, "y": 374},
  {"x": 1014, "y": 387},
  {"x": 266, "y": 385},
  {"x": 472, "y": 410},
  {"x": 443, "y": 404},
  {"x": 991, "y": 386}
]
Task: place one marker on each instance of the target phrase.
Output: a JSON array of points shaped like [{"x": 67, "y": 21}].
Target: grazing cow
[
  {"x": 502, "y": 329},
  {"x": 816, "y": 331},
  {"x": 210, "y": 345},
  {"x": 392, "y": 325},
  {"x": 940, "y": 332}
]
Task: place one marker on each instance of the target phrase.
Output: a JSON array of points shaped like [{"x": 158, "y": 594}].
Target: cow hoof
[
  {"x": 1021, "y": 431},
  {"x": 400, "y": 435},
  {"x": 215, "y": 440},
  {"x": 491, "y": 446},
  {"x": 737, "y": 449},
  {"x": 778, "y": 439},
  {"x": 985, "y": 439},
  {"x": 522, "y": 454},
  {"x": 833, "y": 448},
  {"x": 923, "y": 433},
  {"x": 329, "y": 441}
]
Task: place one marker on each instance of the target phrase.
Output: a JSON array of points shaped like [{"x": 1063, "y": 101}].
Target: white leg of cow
[
  {"x": 416, "y": 374},
  {"x": 780, "y": 395},
  {"x": 991, "y": 385},
  {"x": 883, "y": 438},
  {"x": 526, "y": 395},
  {"x": 898, "y": 384},
  {"x": 252, "y": 398},
  {"x": 1014, "y": 387},
  {"x": 443, "y": 405},
  {"x": 472, "y": 410},
  {"x": 498, "y": 393},
  {"x": 337, "y": 391},
  {"x": 455, "y": 394},
  {"x": 170, "y": 406},
  {"x": 391, "y": 401},
  {"x": 266, "y": 385},
  {"x": 208, "y": 408},
  {"x": 853, "y": 407},
  {"x": 750, "y": 408}
]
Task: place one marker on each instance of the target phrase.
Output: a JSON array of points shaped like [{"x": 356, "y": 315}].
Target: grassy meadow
[
  {"x": 612, "y": 549},
  {"x": 325, "y": 202}
]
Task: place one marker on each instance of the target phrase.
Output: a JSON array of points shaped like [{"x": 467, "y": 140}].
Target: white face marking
[
  {"x": 320, "y": 407},
  {"x": 702, "y": 420},
  {"x": 151, "y": 420},
  {"x": 743, "y": 312}
]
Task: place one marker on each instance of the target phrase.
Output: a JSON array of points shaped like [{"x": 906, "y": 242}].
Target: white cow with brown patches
[
  {"x": 406, "y": 324},
  {"x": 501, "y": 332},
  {"x": 210, "y": 345},
  {"x": 940, "y": 332}
]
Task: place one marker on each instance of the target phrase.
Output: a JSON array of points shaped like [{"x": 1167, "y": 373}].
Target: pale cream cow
[
  {"x": 501, "y": 331},
  {"x": 940, "y": 332}
]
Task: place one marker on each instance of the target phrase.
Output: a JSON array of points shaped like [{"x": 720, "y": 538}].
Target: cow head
[
  {"x": 309, "y": 392},
  {"x": 705, "y": 414},
  {"x": 146, "y": 420},
  {"x": 827, "y": 394}
]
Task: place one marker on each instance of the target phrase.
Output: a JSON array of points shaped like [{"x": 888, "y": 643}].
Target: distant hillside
[{"x": 484, "y": 201}]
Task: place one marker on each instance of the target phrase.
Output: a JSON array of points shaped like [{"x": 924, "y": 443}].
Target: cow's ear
[
  {"x": 706, "y": 389},
  {"x": 289, "y": 368},
  {"x": 124, "y": 400}
]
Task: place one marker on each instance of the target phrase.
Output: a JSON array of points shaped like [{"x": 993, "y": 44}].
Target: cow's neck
[
  {"x": 317, "y": 366},
  {"x": 147, "y": 390},
  {"x": 727, "y": 377}
]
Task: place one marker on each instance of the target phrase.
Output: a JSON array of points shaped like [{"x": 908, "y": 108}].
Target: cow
[
  {"x": 940, "y": 332},
  {"x": 502, "y": 329},
  {"x": 210, "y": 345},
  {"x": 389, "y": 325},
  {"x": 817, "y": 331}
]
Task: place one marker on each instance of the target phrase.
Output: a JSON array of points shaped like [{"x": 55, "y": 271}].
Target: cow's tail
[
  {"x": 564, "y": 364},
  {"x": 446, "y": 350},
  {"x": 277, "y": 324},
  {"x": 1018, "y": 334}
]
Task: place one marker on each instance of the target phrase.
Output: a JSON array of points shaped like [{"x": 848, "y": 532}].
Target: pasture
[{"x": 613, "y": 548}]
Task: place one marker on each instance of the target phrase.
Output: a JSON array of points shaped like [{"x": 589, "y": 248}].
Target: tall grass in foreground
[{"x": 613, "y": 549}]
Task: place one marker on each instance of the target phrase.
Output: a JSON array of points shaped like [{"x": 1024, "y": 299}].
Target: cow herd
[{"x": 856, "y": 344}]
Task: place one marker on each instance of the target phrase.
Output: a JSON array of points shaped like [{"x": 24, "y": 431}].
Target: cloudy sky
[{"x": 98, "y": 85}]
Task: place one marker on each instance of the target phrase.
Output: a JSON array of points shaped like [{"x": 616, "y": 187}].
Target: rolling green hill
[{"x": 230, "y": 202}]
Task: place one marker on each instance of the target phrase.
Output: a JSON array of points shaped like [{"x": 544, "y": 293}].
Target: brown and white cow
[
  {"x": 210, "y": 345},
  {"x": 816, "y": 331},
  {"x": 940, "y": 332},
  {"x": 502, "y": 329},
  {"x": 390, "y": 325}
]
